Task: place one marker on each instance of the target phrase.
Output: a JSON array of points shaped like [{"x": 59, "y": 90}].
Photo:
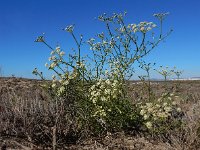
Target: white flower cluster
[
  {"x": 104, "y": 44},
  {"x": 63, "y": 82},
  {"x": 114, "y": 18},
  {"x": 159, "y": 110},
  {"x": 142, "y": 27},
  {"x": 55, "y": 58},
  {"x": 100, "y": 111},
  {"x": 69, "y": 28},
  {"x": 80, "y": 65},
  {"x": 161, "y": 16},
  {"x": 104, "y": 91}
]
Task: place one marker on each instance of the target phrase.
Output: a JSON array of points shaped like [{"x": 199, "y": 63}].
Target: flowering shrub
[
  {"x": 160, "y": 114},
  {"x": 96, "y": 89},
  {"x": 60, "y": 81},
  {"x": 109, "y": 104}
]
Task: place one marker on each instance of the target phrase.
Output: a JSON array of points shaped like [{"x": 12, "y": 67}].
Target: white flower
[
  {"x": 62, "y": 89},
  {"x": 157, "y": 105},
  {"x": 135, "y": 30},
  {"x": 148, "y": 125},
  {"x": 116, "y": 81},
  {"x": 52, "y": 58},
  {"x": 122, "y": 29},
  {"x": 149, "y": 28},
  {"x": 167, "y": 109},
  {"x": 155, "y": 118},
  {"x": 178, "y": 109},
  {"x": 106, "y": 71},
  {"x": 98, "y": 93},
  {"x": 53, "y": 85},
  {"x": 162, "y": 115},
  {"x": 103, "y": 98},
  {"x": 82, "y": 65},
  {"x": 66, "y": 82},
  {"x": 69, "y": 28},
  {"x": 98, "y": 83},
  {"x": 120, "y": 91},
  {"x": 92, "y": 87},
  {"x": 102, "y": 113},
  {"x": 173, "y": 103},
  {"x": 105, "y": 42},
  {"x": 164, "y": 104},
  {"x": 93, "y": 93},
  {"x": 53, "y": 65},
  {"x": 145, "y": 117},
  {"x": 58, "y": 49},
  {"x": 54, "y": 80},
  {"x": 149, "y": 104},
  {"x": 142, "y": 29},
  {"x": 100, "y": 80},
  {"x": 153, "y": 25},
  {"x": 114, "y": 96},
  {"x": 94, "y": 100},
  {"x": 102, "y": 86},
  {"x": 52, "y": 52},
  {"x": 150, "y": 109},
  {"x": 115, "y": 90},
  {"x": 169, "y": 98},
  {"x": 107, "y": 91},
  {"x": 142, "y": 112},
  {"x": 62, "y": 53},
  {"x": 159, "y": 100},
  {"x": 108, "y": 81},
  {"x": 74, "y": 75},
  {"x": 53, "y": 77},
  {"x": 46, "y": 65}
]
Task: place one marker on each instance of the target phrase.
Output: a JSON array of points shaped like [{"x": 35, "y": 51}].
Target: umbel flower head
[
  {"x": 40, "y": 39},
  {"x": 161, "y": 16},
  {"x": 69, "y": 28}
]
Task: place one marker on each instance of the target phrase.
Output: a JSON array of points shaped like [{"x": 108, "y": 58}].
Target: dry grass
[{"x": 28, "y": 116}]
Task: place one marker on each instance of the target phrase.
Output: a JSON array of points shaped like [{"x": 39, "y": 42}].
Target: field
[{"x": 26, "y": 119}]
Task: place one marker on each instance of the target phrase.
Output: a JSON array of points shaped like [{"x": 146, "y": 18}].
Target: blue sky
[{"x": 22, "y": 21}]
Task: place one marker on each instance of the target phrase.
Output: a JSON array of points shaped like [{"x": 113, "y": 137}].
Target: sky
[{"x": 21, "y": 21}]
